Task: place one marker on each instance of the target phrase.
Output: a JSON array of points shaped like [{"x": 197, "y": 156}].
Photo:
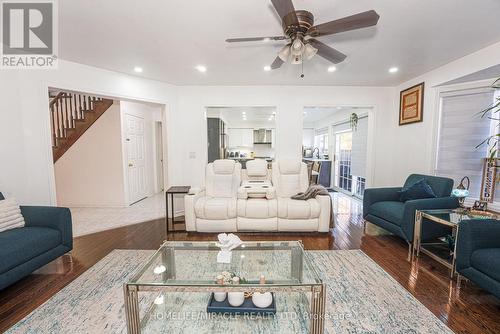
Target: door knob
[{"x": 130, "y": 164}]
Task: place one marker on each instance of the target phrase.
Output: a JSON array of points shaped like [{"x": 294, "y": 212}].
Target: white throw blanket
[{"x": 10, "y": 215}]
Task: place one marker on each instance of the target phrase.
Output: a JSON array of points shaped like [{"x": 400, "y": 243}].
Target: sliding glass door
[
  {"x": 343, "y": 160},
  {"x": 344, "y": 154}
]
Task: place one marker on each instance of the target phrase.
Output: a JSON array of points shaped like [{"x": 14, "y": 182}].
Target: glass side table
[{"x": 440, "y": 250}]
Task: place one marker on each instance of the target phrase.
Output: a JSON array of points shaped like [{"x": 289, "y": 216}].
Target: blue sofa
[
  {"x": 46, "y": 236},
  {"x": 478, "y": 253},
  {"x": 382, "y": 207}
]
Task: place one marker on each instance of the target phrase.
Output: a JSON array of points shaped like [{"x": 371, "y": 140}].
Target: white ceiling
[
  {"x": 169, "y": 38},
  {"x": 245, "y": 116}
]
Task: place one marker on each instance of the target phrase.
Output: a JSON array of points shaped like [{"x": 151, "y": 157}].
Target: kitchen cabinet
[
  {"x": 247, "y": 137},
  {"x": 240, "y": 137},
  {"x": 233, "y": 138}
]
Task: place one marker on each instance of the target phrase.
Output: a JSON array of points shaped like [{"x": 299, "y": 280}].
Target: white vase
[
  {"x": 220, "y": 296},
  {"x": 235, "y": 299},
  {"x": 262, "y": 300}
]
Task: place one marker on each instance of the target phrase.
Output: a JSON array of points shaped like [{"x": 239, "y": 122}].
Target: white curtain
[
  {"x": 461, "y": 130},
  {"x": 359, "y": 143}
]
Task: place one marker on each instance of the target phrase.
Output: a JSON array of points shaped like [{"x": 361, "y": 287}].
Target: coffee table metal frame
[{"x": 318, "y": 290}]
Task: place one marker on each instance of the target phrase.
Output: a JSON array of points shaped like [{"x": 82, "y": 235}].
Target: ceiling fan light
[
  {"x": 297, "y": 47},
  {"x": 284, "y": 53},
  {"x": 296, "y": 59},
  {"x": 309, "y": 51}
]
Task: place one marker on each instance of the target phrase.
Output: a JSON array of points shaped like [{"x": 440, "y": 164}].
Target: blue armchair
[
  {"x": 478, "y": 253},
  {"x": 46, "y": 236},
  {"x": 382, "y": 207}
]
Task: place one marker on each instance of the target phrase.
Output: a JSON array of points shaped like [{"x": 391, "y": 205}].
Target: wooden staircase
[{"x": 71, "y": 115}]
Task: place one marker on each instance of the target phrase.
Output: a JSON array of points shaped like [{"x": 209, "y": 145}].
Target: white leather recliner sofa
[
  {"x": 213, "y": 209},
  {"x": 257, "y": 204},
  {"x": 290, "y": 177}
]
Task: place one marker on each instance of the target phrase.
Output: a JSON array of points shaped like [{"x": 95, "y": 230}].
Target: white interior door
[{"x": 136, "y": 160}]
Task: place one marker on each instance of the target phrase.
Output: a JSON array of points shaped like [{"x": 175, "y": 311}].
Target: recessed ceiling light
[
  {"x": 201, "y": 68},
  {"x": 138, "y": 69},
  {"x": 393, "y": 70},
  {"x": 267, "y": 68},
  {"x": 332, "y": 69},
  {"x": 243, "y": 112}
]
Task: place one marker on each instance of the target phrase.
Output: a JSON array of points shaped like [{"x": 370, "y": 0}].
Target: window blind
[
  {"x": 461, "y": 130},
  {"x": 341, "y": 127},
  {"x": 359, "y": 143},
  {"x": 322, "y": 131}
]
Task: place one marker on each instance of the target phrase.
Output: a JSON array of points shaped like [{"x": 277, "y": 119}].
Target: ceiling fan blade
[
  {"x": 356, "y": 21},
  {"x": 253, "y": 39},
  {"x": 327, "y": 52},
  {"x": 286, "y": 10},
  {"x": 277, "y": 63}
]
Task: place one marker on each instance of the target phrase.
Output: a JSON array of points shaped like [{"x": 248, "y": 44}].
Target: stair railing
[{"x": 66, "y": 109}]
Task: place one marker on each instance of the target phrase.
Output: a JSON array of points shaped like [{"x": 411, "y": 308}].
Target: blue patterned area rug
[{"x": 362, "y": 298}]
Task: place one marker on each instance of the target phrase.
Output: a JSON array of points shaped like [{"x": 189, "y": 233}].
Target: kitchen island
[{"x": 325, "y": 170}]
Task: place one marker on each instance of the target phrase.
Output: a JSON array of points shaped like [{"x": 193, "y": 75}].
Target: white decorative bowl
[
  {"x": 262, "y": 300},
  {"x": 220, "y": 296},
  {"x": 235, "y": 299}
]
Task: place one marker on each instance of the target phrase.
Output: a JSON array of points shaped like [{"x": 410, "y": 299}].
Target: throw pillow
[
  {"x": 418, "y": 190},
  {"x": 10, "y": 215}
]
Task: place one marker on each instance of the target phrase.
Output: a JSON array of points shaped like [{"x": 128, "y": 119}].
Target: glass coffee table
[
  {"x": 170, "y": 292},
  {"x": 443, "y": 251}
]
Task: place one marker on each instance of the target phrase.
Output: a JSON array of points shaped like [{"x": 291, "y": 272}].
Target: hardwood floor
[{"x": 465, "y": 310}]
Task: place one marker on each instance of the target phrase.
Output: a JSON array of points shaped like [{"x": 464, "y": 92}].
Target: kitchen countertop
[
  {"x": 248, "y": 158},
  {"x": 316, "y": 159}
]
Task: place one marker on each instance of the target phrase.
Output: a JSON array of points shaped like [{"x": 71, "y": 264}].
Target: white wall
[
  {"x": 90, "y": 173},
  {"x": 190, "y": 123},
  {"x": 93, "y": 172},
  {"x": 26, "y": 168},
  {"x": 413, "y": 146}
]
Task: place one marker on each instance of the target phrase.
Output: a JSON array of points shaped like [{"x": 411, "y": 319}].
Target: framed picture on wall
[{"x": 411, "y": 104}]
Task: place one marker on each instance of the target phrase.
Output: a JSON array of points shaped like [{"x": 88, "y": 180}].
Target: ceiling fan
[{"x": 298, "y": 27}]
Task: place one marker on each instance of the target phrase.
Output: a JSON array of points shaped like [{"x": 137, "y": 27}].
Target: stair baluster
[{"x": 69, "y": 118}]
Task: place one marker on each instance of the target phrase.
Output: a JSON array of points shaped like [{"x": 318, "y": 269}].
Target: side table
[
  {"x": 173, "y": 191},
  {"x": 439, "y": 250}
]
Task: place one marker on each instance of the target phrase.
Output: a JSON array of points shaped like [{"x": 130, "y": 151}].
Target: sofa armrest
[
  {"x": 412, "y": 206},
  {"x": 373, "y": 195},
  {"x": 51, "y": 217},
  {"x": 189, "y": 203},
  {"x": 242, "y": 193},
  {"x": 476, "y": 234},
  {"x": 325, "y": 216}
]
